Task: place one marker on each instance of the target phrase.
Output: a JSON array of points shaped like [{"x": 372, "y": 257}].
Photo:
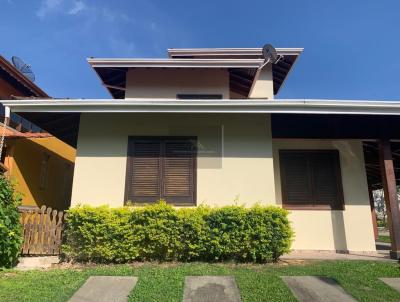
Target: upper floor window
[{"x": 199, "y": 96}]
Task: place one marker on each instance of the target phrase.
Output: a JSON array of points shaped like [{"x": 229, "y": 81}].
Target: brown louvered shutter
[
  {"x": 178, "y": 171},
  {"x": 295, "y": 175},
  {"x": 144, "y": 170},
  {"x": 161, "y": 168},
  {"x": 326, "y": 178},
  {"x": 311, "y": 179}
]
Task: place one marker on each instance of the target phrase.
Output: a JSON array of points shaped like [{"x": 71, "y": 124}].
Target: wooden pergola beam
[
  {"x": 373, "y": 213},
  {"x": 390, "y": 191}
]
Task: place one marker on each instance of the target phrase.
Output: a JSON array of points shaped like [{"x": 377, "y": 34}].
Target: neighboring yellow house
[{"x": 40, "y": 164}]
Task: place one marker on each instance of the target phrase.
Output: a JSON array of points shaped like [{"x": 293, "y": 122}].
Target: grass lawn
[
  {"x": 164, "y": 282},
  {"x": 384, "y": 238}
]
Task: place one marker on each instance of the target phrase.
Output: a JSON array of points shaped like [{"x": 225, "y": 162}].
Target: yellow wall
[
  {"x": 244, "y": 172},
  {"x": 350, "y": 229},
  {"x": 25, "y": 169},
  {"x": 167, "y": 83}
]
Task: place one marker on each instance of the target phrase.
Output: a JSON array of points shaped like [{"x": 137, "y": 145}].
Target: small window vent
[{"x": 199, "y": 96}]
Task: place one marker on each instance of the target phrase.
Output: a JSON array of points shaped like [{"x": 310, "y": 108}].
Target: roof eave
[
  {"x": 301, "y": 106},
  {"x": 228, "y": 51},
  {"x": 175, "y": 63}
]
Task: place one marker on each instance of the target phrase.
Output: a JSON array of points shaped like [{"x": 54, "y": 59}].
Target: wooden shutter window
[
  {"x": 294, "y": 169},
  {"x": 326, "y": 179},
  {"x": 144, "y": 170},
  {"x": 311, "y": 179},
  {"x": 161, "y": 168},
  {"x": 178, "y": 168}
]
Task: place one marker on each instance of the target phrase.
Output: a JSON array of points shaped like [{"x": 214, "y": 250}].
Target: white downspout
[{"x": 7, "y": 113}]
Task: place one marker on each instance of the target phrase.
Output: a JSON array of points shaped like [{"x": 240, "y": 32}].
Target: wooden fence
[{"x": 42, "y": 231}]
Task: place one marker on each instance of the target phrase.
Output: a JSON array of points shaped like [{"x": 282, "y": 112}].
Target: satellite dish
[
  {"x": 270, "y": 54},
  {"x": 24, "y": 68}
]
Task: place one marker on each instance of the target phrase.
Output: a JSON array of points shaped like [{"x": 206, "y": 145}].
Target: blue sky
[{"x": 350, "y": 46}]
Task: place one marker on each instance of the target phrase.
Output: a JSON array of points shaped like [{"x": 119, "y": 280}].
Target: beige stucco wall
[
  {"x": 235, "y": 165},
  {"x": 167, "y": 83},
  {"x": 350, "y": 229},
  {"x": 242, "y": 174},
  {"x": 264, "y": 85}
]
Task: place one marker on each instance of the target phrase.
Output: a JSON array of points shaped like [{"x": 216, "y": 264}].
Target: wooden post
[
  {"x": 373, "y": 213},
  {"x": 390, "y": 190}
]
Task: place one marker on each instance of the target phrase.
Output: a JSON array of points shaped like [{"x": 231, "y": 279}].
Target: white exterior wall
[
  {"x": 243, "y": 174},
  {"x": 167, "y": 83},
  {"x": 245, "y": 170},
  {"x": 350, "y": 229},
  {"x": 264, "y": 85}
]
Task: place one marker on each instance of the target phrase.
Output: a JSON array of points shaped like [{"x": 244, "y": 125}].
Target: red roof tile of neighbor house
[{"x": 13, "y": 133}]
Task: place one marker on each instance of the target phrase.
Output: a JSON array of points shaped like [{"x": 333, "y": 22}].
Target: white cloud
[
  {"x": 66, "y": 7},
  {"x": 48, "y": 6},
  {"x": 78, "y": 7},
  {"x": 111, "y": 15},
  {"x": 111, "y": 30}
]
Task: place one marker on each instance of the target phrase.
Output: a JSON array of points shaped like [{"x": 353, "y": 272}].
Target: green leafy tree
[{"x": 10, "y": 226}]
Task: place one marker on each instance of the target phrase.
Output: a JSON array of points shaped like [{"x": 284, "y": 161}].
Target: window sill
[{"x": 312, "y": 208}]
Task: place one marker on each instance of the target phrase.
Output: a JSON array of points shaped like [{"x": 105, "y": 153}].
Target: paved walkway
[
  {"x": 392, "y": 282},
  {"x": 211, "y": 289},
  {"x": 218, "y": 289},
  {"x": 317, "y": 289},
  {"x": 105, "y": 289},
  {"x": 329, "y": 255}
]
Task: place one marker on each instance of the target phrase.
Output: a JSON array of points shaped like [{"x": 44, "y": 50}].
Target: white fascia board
[
  {"x": 198, "y": 52},
  {"x": 176, "y": 63},
  {"x": 297, "y": 106}
]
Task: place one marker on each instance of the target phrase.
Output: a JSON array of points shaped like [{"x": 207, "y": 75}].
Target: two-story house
[{"x": 203, "y": 127}]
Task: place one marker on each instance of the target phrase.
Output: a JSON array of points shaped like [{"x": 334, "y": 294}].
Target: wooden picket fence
[{"x": 42, "y": 231}]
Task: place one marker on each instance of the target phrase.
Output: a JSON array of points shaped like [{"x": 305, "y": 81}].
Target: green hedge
[
  {"x": 161, "y": 232},
  {"x": 10, "y": 227}
]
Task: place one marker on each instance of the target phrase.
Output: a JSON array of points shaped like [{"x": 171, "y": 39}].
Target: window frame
[
  {"x": 200, "y": 96},
  {"x": 336, "y": 205},
  {"x": 129, "y": 171}
]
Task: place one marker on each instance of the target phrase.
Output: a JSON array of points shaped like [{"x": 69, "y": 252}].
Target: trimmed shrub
[
  {"x": 10, "y": 226},
  {"x": 161, "y": 232}
]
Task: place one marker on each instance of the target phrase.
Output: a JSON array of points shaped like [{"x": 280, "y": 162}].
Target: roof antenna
[
  {"x": 270, "y": 55},
  {"x": 24, "y": 68}
]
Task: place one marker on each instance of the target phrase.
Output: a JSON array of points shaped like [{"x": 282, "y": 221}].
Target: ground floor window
[
  {"x": 161, "y": 168},
  {"x": 311, "y": 179}
]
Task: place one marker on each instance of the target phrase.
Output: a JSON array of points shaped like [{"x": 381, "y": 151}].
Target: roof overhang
[
  {"x": 175, "y": 63},
  {"x": 280, "y": 70},
  {"x": 301, "y": 118},
  {"x": 228, "y": 52},
  {"x": 297, "y": 106},
  {"x": 242, "y": 64},
  {"x": 112, "y": 72}
]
